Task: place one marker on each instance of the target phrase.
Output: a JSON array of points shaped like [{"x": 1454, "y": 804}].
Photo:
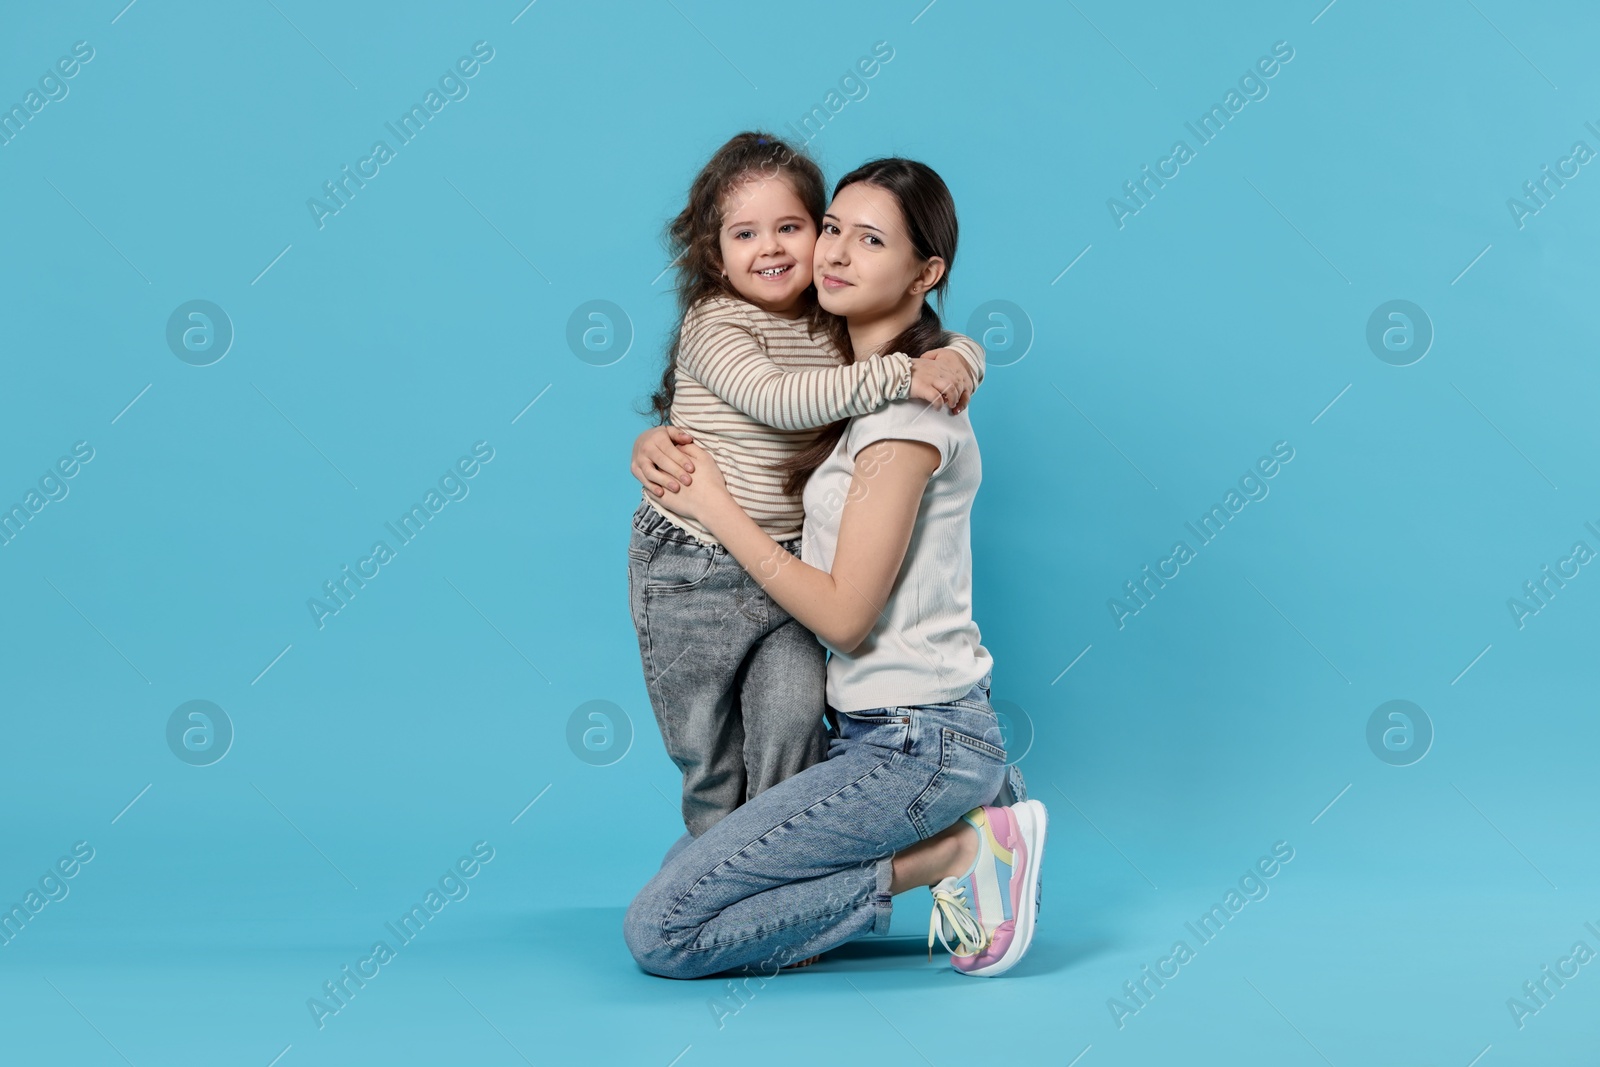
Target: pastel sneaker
[{"x": 990, "y": 912}]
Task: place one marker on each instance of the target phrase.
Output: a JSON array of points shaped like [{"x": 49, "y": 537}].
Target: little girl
[{"x": 755, "y": 373}]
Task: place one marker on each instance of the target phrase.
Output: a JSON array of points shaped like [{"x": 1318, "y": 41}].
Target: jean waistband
[
  {"x": 650, "y": 522},
  {"x": 979, "y": 693},
  {"x": 647, "y": 520}
]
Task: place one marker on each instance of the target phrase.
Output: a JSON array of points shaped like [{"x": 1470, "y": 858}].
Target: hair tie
[{"x": 761, "y": 140}]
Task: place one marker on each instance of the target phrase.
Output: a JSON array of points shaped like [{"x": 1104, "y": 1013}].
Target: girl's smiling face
[
  {"x": 766, "y": 243},
  {"x": 865, "y": 266}
]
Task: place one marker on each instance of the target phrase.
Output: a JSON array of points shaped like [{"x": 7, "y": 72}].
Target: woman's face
[{"x": 865, "y": 266}]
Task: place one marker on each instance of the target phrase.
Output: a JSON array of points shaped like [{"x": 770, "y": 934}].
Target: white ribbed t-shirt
[{"x": 925, "y": 648}]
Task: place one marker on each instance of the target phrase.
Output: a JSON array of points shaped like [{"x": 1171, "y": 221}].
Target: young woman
[{"x": 915, "y": 752}]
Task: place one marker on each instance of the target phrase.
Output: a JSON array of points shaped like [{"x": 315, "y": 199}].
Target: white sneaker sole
[{"x": 1033, "y": 822}]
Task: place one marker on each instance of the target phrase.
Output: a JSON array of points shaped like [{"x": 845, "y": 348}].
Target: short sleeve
[{"x": 909, "y": 420}]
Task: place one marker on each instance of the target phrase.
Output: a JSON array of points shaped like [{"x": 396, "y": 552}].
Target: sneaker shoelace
[{"x": 950, "y": 905}]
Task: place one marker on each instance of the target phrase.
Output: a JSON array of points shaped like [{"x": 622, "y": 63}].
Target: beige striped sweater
[{"x": 755, "y": 388}]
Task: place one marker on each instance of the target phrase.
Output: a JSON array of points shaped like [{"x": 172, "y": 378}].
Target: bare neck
[{"x": 868, "y": 337}]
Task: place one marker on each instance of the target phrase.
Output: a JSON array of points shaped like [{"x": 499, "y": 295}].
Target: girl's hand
[
  {"x": 658, "y": 462},
  {"x": 697, "y": 500},
  {"x": 942, "y": 378}
]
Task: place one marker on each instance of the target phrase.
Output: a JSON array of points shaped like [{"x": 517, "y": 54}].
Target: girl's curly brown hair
[{"x": 694, "y": 236}]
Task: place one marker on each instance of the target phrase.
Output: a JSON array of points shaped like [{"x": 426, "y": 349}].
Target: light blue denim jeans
[
  {"x": 738, "y": 686},
  {"x": 807, "y": 864}
]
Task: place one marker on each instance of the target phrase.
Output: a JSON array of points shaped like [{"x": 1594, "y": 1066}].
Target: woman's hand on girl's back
[
  {"x": 659, "y": 463},
  {"x": 706, "y": 492},
  {"x": 941, "y": 377}
]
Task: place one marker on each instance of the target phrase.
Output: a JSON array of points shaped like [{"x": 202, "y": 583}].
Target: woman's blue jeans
[{"x": 807, "y": 864}]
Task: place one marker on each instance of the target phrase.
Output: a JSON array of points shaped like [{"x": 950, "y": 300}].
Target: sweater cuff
[
  {"x": 902, "y": 383},
  {"x": 972, "y": 354}
]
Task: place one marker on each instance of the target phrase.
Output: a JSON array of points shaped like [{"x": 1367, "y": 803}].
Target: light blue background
[{"x": 427, "y": 314}]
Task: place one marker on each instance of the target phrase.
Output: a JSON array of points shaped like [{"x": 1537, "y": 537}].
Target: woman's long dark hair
[
  {"x": 694, "y": 236},
  {"x": 930, "y": 216}
]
